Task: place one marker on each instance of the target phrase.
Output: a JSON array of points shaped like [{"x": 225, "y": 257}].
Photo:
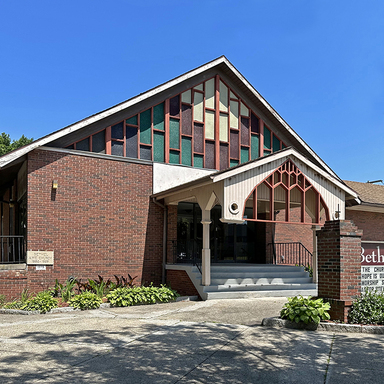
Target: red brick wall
[
  {"x": 100, "y": 220},
  {"x": 371, "y": 223},
  {"x": 339, "y": 248},
  {"x": 180, "y": 281},
  {"x": 12, "y": 283}
]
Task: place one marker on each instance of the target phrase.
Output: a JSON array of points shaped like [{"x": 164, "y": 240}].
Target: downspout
[{"x": 164, "y": 238}]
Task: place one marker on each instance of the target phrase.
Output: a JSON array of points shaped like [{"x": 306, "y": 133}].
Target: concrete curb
[
  {"x": 18, "y": 312},
  {"x": 276, "y": 322}
]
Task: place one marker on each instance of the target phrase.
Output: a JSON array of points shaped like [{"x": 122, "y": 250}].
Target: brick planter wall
[
  {"x": 180, "y": 281},
  {"x": 339, "y": 269}
]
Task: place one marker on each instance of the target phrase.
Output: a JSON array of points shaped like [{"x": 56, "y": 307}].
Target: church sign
[{"x": 372, "y": 265}]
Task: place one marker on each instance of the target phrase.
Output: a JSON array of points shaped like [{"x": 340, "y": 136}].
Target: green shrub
[
  {"x": 85, "y": 300},
  {"x": 307, "y": 310},
  {"x": 65, "y": 291},
  {"x": 19, "y": 303},
  {"x": 2, "y": 300},
  {"x": 42, "y": 302},
  {"x": 125, "y": 297},
  {"x": 367, "y": 309}
]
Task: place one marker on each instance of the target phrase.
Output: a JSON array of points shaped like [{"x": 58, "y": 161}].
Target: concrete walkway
[{"x": 218, "y": 341}]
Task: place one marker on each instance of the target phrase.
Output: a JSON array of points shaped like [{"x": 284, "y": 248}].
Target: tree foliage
[{"x": 8, "y": 145}]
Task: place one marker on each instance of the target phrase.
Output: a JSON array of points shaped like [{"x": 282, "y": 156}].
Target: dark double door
[{"x": 230, "y": 243}]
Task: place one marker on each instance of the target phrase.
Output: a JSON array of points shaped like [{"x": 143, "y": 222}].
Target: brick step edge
[{"x": 276, "y": 322}]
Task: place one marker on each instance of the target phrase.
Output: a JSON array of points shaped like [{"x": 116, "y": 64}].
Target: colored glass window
[
  {"x": 210, "y": 125},
  {"x": 174, "y": 133},
  {"x": 186, "y": 119},
  {"x": 145, "y": 152},
  {"x": 117, "y": 148},
  {"x": 132, "y": 120},
  {"x": 145, "y": 127},
  {"x": 98, "y": 142},
  {"x": 158, "y": 117},
  {"x": 223, "y": 126},
  {"x": 186, "y": 151},
  {"x": 158, "y": 146},
  {"x": 131, "y": 142},
  {"x": 254, "y": 147},
  {"x": 174, "y": 106},
  {"x": 210, "y": 94},
  {"x": 83, "y": 145},
  {"x": 174, "y": 157},
  {"x": 276, "y": 144},
  {"x": 267, "y": 138},
  {"x": 118, "y": 131},
  {"x": 244, "y": 155},
  {"x": 198, "y": 161}
]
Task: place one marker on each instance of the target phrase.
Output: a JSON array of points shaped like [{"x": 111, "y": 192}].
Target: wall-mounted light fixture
[{"x": 55, "y": 184}]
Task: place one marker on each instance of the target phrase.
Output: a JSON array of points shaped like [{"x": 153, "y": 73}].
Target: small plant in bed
[
  {"x": 306, "y": 310},
  {"x": 368, "y": 308},
  {"x": 85, "y": 300},
  {"x": 125, "y": 296}
]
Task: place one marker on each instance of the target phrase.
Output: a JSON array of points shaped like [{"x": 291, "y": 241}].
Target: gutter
[{"x": 163, "y": 272}]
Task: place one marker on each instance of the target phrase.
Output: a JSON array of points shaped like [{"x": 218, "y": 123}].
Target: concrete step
[
  {"x": 260, "y": 280},
  {"x": 250, "y": 294},
  {"x": 259, "y": 287}
]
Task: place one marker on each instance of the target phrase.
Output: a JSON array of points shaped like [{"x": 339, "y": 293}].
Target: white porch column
[
  {"x": 314, "y": 253},
  {"x": 206, "y": 252}
]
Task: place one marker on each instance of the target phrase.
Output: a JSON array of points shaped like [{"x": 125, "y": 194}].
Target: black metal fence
[
  {"x": 290, "y": 253},
  {"x": 12, "y": 249}
]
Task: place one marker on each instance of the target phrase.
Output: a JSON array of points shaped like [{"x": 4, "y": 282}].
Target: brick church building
[{"x": 183, "y": 184}]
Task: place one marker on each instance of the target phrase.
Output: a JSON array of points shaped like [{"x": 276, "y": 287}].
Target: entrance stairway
[{"x": 234, "y": 281}]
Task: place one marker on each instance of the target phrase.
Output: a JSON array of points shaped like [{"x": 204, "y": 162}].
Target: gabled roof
[
  {"x": 222, "y": 64},
  {"x": 369, "y": 194}
]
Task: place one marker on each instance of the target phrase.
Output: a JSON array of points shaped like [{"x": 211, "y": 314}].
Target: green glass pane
[
  {"x": 145, "y": 127},
  {"x": 158, "y": 146},
  {"x": 254, "y": 147},
  {"x": 174, "y": 157},
  {"x": 158, "y": 116},
  {"x": 132, "y": 120},
  {"x": 198, "y": 161},
  {"x": 276, "y": 144},
  {"x": 233, "y": 163},
  {"x": 284, "y": 146},
  {"x": 267, "y": 138},
  {"x": 244, "y": 155},
  {"x": 174, "y": 133},
  {"x": 186, "y": 151}
]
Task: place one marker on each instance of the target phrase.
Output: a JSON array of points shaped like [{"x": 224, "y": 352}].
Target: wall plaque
[
  {"x": 40, "y": 257},
  {"x": 372, "y": 266}
]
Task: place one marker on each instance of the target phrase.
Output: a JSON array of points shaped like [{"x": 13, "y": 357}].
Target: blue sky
[{"x": 320, "y": 64}]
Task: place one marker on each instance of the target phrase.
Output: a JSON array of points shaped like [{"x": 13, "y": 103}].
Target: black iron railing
[
  {"x": 186, "y": 252},
  {"x": 12, "y": 249},
  {"x": 290, "y": 253}
]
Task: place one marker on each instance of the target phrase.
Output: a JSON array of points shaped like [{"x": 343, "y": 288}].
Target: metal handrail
[
  {"x": 12, "y": 249},
  {"x": 292, "y": 253},
  {"x": 186, "y": 252}
]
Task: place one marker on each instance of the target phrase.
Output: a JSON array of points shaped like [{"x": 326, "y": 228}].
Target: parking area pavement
[{"x": 218, "y": 341}]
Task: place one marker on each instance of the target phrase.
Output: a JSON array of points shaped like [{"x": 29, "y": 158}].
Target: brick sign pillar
[{"x": 339, "y": 265}]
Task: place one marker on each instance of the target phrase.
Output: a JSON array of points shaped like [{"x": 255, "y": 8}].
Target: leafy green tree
[{"x": 6, "y": 145}]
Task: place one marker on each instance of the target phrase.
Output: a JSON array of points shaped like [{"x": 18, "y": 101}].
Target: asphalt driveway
[{"x": 218, "y": 341}]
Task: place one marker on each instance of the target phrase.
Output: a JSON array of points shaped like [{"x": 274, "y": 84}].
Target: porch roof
[
  {"x": 231, "y": 172},
  {"x": 235, "y": 185}
]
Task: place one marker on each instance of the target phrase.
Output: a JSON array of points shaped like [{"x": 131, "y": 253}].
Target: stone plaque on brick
[
  {"x": 40, "y": 257},
  {"x": 372, "y": 266}
]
